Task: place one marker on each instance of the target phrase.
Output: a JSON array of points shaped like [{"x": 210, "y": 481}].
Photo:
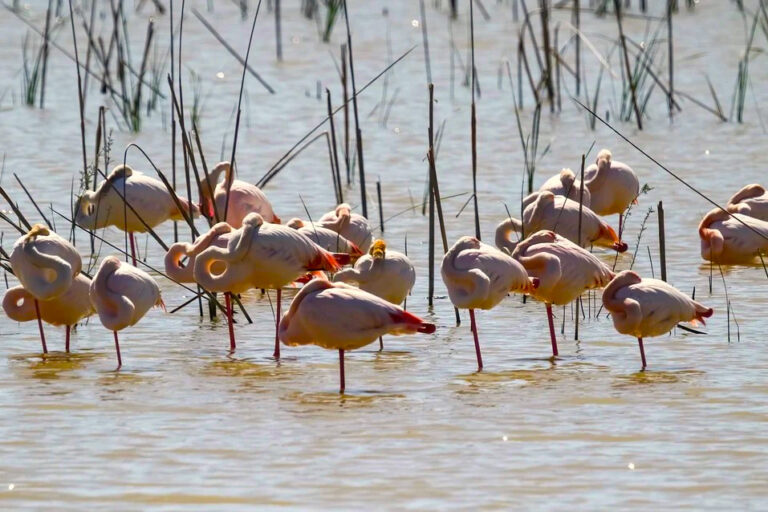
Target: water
[{"x": 183, "y": 426}]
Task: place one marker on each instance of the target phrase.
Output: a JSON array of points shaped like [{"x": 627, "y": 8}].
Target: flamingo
[
  {"x": 45, "y": 265},
  {"x": 386, "y": 274},
  {"x": 480, "y": 276},
  {"x": 148, "y": 198},
  {"x": 66, "y": 309},
  {"x": 648, "y": 307},
  {"x": 352, "y": 226},
  {"x": 341, "y": 317},
  {"x": 244, "y": 198},
  {"x": 731, "y": 238},
  {"x": 262, "y": 255},
  {"x": 751, "y": 200},
  {"x": 122, "y": 294},
  {"x": 564, "y": 271},
  {"x": 612, "y": 185},
  {"x": 566, "y": 184},
  {"x": 326, "y": 238},
  {"x": 546, "y": 211}
]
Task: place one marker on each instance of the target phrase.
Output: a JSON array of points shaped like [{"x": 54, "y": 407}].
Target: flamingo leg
[
  {"x": 381, "y": 343},
  {"x": 277, "y": 324},
  {"x": 552, "y": 330},
  {"x": 341, "y": 371},
  {"x": 133, "y": 248},
  {"x": 40, "y": 326},
  {"x": 66, "y": 343},
  {"x": 642, "y": 351},
  {"x": 473, "y": 325},
  {"x": 228, "y": 303},
  {"x": 117, "y": 349}
]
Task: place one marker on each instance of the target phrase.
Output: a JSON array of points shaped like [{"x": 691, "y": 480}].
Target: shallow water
[{"x": 184, "y": 426}]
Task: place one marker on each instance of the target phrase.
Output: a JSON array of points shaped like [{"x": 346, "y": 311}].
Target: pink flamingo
[
  {"x": 751, "y": 200},
  {"x": 341, "y": 317},
  {"x": 351, "y": 226},
  {"x": 613, "y": 186},
  {"x": 479, "y": 276},
  {"x": 45, "y": 265},
  {"x": 122, "y": 294},
  {"x": 545, "y": 211},
  {"x": 148, "y": 197},
  {"x": 326, "y": 238},
  {"x": 244, "y": 198},
  {"x": 386, "y": 274},
  {"x": 648, "y": 307},
  {"x": 564, "y": 271},
  {"x": 732, "y": 238},
  {"x": 66, "y": 309},
  {"x": 262, "y": 255},
  {"x": 566, "y": 184}
]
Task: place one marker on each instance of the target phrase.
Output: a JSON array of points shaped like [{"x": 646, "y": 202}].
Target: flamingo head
[
  {"x": 603, "y": 159},
  {"x": 567, "y": 178},
  {"x": 207, "y": 187},
  {"x": 378, "y": 250},
  {"x": 37, "y": 230},
  {"x": 119, "y": 172},
  {"x": 295, "y": 223}
]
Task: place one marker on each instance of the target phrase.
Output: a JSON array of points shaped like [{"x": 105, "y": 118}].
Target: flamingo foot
[
  {"x": 551, "y": 320},
  {"x": 40, "y": 326},
  {"x": 473, "y": 326},
  {"x": 276, "y": 354},
  {"x": 117, "y": 349}
]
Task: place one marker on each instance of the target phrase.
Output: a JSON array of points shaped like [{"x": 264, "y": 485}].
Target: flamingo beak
[{"x": 620, "y": 246}]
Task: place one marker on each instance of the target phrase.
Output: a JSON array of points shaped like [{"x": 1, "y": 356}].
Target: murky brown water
[{"x": 183, "y": 426}]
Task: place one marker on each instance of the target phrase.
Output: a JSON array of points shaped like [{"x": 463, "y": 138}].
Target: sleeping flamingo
[
  {"x": 244, "y": 198},
  {"x": 751, "y": 200},
  {"x": 326, "y": 238},
  {"x": 122, "y": 294},
  {"x": 351, "y": 226},
  {"x": 66, "y": 309},
  {"x": 545, "y": 211},
  {"x": 183, "y": 272},
  {"x": 148, "y": 197},
  {"x": 732, "y": 238},
  {"x": 262, "y": 255},
  {"x": 567, "y": 185},
  {"x": 386, "y": 274},
  {"x": 341, "y": 317},
  {"x": 612, "y": 185},
  {"x": 564, "y": 271},
  {"x": 480, "y": 276},
  {"x": 45, "y": 265},
  {"x": 648, "y": 307}
]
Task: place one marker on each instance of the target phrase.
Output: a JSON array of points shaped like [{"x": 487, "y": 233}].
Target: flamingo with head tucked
[
  {"x": 341, "y": 317},
  {"x": 122, "y": 294},
  {"x": 46, "y": 265},
  {"x": 244, "y": 198},
  {"x": 352, "y": 226},
  {"x": 751, "y": 200},
  {"x": 567, "y": 185},
  {"x": 183, "y": 271},
  {"x": 66, "y": 309},
  {"x": 612, "y": 185},
  {"x": 479, "y": 276},
  {"x": 564, "y": 271},
  {"x": 326, "y": 238},
  {"x": 385, "y": 273},
  {"x": 148, "y": 198},
  {"x": 545, "y": 211},
  {"x": 732, "y": 238},
  {"x": 262, "y": 255},
  {"x": 648, "y": 307}
]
